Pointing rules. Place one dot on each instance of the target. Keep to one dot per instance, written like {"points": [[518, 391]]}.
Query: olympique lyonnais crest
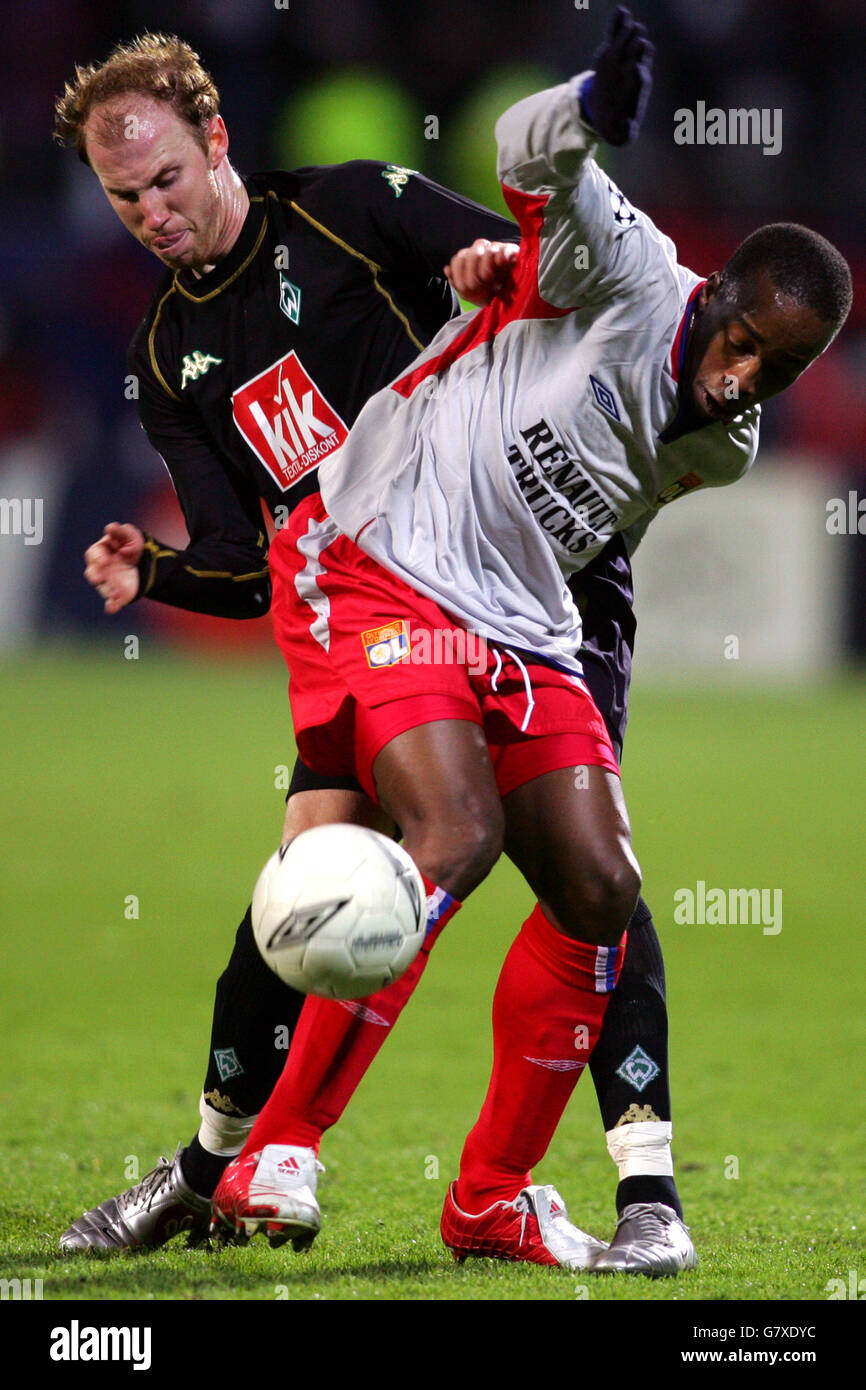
{"points": [[674, 490], [286, 420], [385, 646]]}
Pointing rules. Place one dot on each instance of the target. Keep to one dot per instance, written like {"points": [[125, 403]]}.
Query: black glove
{"points": [[614, 98]]}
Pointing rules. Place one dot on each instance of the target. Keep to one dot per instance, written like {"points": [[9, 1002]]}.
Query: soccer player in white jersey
{"points": [[604, 382]]}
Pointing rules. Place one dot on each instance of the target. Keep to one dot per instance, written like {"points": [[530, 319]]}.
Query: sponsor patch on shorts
{"points": [[385, 646]]}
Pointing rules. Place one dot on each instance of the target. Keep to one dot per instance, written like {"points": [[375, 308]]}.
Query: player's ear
{"points": [[217, 141], [710, 289]]}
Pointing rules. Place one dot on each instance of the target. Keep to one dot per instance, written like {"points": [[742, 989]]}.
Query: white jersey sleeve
{"points": [[596, 246], [528, 434]]}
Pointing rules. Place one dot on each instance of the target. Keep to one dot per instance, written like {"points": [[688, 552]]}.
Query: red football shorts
{"points": [[369, 658]]}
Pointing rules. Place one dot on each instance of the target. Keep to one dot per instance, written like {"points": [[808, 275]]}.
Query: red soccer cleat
{"points": [[534, 1227], [274, 1192]]}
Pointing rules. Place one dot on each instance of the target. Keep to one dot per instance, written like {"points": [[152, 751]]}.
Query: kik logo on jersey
{"points": [[385, 646], [286, 420]]}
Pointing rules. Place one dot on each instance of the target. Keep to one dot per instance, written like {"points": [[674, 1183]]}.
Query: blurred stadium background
{"points": [[154, 786], [315, 83]]}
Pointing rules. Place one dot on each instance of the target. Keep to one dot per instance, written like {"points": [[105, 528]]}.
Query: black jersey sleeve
{"points": [[406, 220], [223, 571]]}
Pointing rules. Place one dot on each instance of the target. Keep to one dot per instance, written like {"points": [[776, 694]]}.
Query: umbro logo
{"points": [[604, 396], [361, 1011], [301, 926], [556, 1063]]}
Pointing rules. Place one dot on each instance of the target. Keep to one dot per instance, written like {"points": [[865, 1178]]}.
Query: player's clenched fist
{"points": [[111, 564], [614, 98], [479, 271]]}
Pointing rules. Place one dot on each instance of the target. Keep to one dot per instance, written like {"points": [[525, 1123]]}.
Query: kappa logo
{"points": [[385, 646], [638, 1069], [290, 299], [397, 178], [685, 484], [286, 420], [195, 364]]}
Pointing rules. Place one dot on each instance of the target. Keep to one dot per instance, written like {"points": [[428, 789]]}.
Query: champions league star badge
{"points": [[623, 212]]}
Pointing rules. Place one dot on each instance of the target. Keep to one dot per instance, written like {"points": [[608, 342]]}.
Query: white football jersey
{"points": [[531, 431]]}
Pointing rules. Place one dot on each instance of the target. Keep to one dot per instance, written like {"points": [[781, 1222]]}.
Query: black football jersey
{"points": [[252, 373]]}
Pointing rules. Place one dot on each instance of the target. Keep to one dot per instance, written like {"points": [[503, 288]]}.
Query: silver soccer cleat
{"points": [[650, 1239], [145, 1216]]}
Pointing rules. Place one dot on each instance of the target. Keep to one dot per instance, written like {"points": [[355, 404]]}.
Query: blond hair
{"points": [[159, 66]]}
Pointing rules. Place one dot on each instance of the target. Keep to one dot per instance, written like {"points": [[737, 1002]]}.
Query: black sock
{"points": [[202, 1170], [254, 1017], [629, 1064], [650, 1187]]}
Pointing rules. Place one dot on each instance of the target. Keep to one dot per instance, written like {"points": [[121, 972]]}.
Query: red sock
{"points": [[547, 1014], [333, 1045]]}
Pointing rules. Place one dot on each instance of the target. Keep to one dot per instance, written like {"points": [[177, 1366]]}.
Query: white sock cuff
{"points": [[642, 1148], [224, 1135]]}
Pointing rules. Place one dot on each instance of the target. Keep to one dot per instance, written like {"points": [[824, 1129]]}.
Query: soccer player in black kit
{"points": [[289, 299]]}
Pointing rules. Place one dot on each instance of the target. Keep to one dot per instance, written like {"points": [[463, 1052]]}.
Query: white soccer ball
{"points": [[341, 911]]}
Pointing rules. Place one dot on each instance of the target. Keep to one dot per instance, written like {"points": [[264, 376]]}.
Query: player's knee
{"points": [[457, 853], [598, 908]]}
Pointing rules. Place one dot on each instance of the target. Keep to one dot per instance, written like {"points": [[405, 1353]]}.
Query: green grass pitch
{"points": [[156, 778]]}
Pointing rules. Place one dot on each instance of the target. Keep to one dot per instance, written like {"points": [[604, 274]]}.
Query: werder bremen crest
{"points": [[638, 1069], [290, 299]]}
